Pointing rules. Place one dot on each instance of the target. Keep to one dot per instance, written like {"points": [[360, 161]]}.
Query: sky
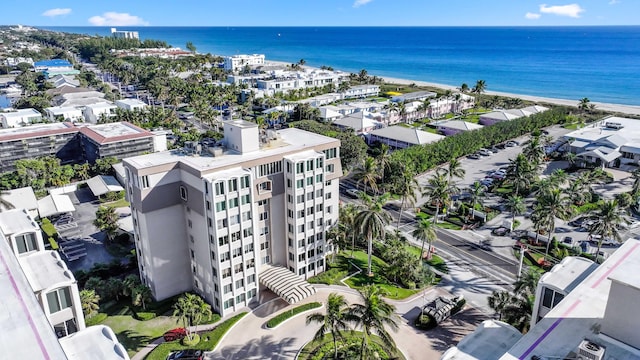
{"points": [[320, 12]]}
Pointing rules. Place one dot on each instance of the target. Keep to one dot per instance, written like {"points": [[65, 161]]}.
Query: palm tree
{"points": [[425, 231], [190, 309], [584, 104], [372, 316], [406, 187], [141, 295], [608, 218], [498, 302], [552, 205], [384, 159], [367, 173], [438, 191], [571, 158], [527, 283], [480, 87], [518, 312], [346, 216], [455, 170], [107, 220], [534, 151], [515, 204], [635, 189], [90, 301], [371, 221], [334, 321], [464, 88], [520, 173]]}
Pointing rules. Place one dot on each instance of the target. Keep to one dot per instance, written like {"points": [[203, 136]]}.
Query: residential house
{"points": [[493, 117], [20, 117], [94, 112], [414, 96], [400, 137], [66, 113], [64, 80], [362, 122], [130, 104], [452, 127], [361, 92]]}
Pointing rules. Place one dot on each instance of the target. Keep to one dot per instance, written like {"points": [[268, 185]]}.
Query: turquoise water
{"points": [[600, 63]]}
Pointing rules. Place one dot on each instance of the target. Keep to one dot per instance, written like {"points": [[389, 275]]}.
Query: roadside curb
{"points": [[293, 317]]}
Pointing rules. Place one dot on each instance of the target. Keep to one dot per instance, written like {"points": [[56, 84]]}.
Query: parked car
{"points": [[474, 156], [484, 152], [175, 334], [352, 193], [568, 240], [511, 143], [189, 354], [487, 182]]}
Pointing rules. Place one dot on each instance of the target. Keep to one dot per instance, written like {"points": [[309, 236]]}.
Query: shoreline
{"points": [[619, 108]]}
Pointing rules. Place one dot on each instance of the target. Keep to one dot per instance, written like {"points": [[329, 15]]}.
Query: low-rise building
{"points": [[93, 113], [131, 104], [361, 92], [21, 198], [64, 113], [400, 137], [238, 62], [119, 140], [20, 117], [361, 123], [493, 117], [64, 80], [452, 127], [414, 96]]}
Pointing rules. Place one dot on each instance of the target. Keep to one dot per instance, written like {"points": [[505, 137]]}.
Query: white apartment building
{"points": [[41, 301], [216, 220], [131, 104], [237, 62], [19, 117], [64, 113], [124, 34], [93, 112], [361, 92]]}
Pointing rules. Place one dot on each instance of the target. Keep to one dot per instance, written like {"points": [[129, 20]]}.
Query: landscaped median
{"points": [[208, 340], [349, 347], [280, 318]]}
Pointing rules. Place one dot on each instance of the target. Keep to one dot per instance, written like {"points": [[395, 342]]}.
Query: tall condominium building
{"points": [[215, 221]]}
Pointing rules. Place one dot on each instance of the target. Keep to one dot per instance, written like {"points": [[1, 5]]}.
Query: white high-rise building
{"points": [[214, 220]]}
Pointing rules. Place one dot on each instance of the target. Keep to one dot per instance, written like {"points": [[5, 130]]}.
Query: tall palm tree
{"points": [[406, 187], [425, 231], [438, 191], [520, 173], [371, 221], [464, 88], [552, 205], [527, 283], [455, 169], [608, 217], [534, 151], [346, 216], [90, 301], [367, 173], [584, 104], [480, 87], [516, 206], [518, 312], [190, 309], [384, 160], [498, 302], [372, 316], [334, 321]]}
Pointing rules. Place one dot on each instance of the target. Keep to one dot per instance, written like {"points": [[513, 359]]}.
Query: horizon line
{"points": [[328, 26]]}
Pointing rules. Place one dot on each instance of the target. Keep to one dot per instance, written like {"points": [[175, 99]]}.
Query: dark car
{"points": [[175, 334], [189, 354], [474, 156]]}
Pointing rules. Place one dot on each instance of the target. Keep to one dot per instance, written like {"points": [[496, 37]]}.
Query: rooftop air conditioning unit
{"points": [[588, 350]]}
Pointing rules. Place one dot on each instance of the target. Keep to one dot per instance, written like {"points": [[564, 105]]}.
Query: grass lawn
{"points": [[117, 203], [338, 270], [571, 126], [323, 349], [209, 340], [472, 119], [377, 267], [436, 261], [430, 129]]}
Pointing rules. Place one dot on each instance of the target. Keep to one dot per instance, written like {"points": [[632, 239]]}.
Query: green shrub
{"points": [[425, 322], [48, 228], [195, 339], [458, 306], [276, 320], [54, 244], [144, 316], [95, 319]]}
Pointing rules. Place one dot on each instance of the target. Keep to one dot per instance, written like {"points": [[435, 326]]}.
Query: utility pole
{"points": [[522, 249]]}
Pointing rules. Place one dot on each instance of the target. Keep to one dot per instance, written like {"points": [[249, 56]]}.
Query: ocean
{"points": [[600, 63]]}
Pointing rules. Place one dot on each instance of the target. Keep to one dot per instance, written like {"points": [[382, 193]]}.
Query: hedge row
{"points": [[276, 320]]}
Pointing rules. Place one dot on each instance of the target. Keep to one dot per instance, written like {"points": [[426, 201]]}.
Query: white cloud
{"points": [[116, 19], [56, 12], [359, 3], [532, 16], [571, 10]]}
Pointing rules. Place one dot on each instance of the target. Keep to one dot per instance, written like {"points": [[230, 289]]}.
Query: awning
{"points": [[103, 184], [606, 157], [285, 284], [54, 205]]}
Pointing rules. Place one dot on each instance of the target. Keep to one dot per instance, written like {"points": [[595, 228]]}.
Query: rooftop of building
{"points": [[491, 339], [580, 315], [130, 102], [628, 129], [99, 341], [21, 198], [568, 274], [45, 270], [38, 130], [52, 63], [29, 333], [408, 135], [459, 125], [114, 132], [20, 112], [288, 141], [500, 115], [62, 109], [17, 221], [101, 105]]}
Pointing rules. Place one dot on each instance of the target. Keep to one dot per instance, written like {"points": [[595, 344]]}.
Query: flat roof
{"points": [[490, 340], [62, 109], [52, 63], [38, 130], [29, 333], [291, 140], [95, 342], [630, 130], [581, 311], [569, 273], [45, 269], [130, 102], [113, 132], [17, 221], [21, 198], [20, 113]]}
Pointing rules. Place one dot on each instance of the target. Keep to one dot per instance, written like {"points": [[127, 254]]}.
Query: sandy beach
{"points": [[625, 109]]}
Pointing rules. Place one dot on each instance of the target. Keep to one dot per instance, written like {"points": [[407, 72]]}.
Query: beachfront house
{"points": [[361, 92], [64, 113], [400, 137], [497, 116], [362, 122], [414, 96], [452, 127], [20, 117], [131, 104]]}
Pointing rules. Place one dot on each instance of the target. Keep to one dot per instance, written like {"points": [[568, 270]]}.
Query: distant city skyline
{"points": [[323, 13]]}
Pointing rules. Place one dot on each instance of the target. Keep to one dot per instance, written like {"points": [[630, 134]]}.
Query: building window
{"points": [[244, 182], [208, 205], [251, 279], [328, 196], [221, 223], [247, 232], [319, 208], [319, 163], [183, 193], [330, 168], [265, 186], [233, 203], [59, 300], [26, 243], [264, 216], [300, 229], [248, 248], [237, 252], [233, 185], [299, 199], [290, 198], [330, 153], [227, 288], [311, 266], [319, 178], [299, 184], [319, 193], [189, 223], [234, 219], [290, 213], [240, 284], [288, 183], [246, 216], [302, 257], [302, 271], [144, 181], [270, 169], [310, 180], [264, 230], [238, 268], [266, 259], [226, 273], [235, 236], [299, 168], [547, 298], [309, 165], [319, 236], [219, 188], [263, 202], [221, 206], [228, 303], [310, 196], [245, 199]]}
